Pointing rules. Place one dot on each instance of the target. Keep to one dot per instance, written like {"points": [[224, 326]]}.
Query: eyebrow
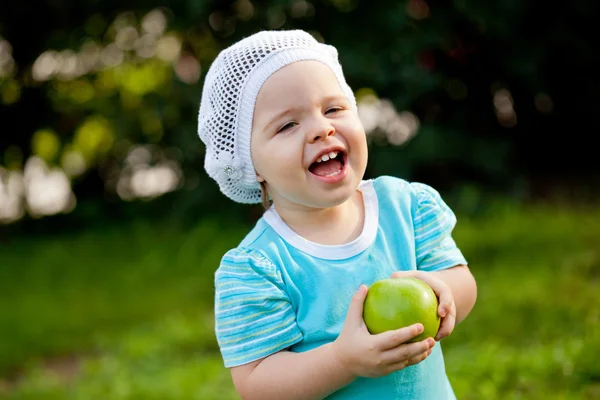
{"points": [[281, 115], [291, 110]]}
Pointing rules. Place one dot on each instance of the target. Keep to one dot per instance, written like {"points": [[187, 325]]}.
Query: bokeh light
{"points": [[38, 189], [47, 191], [504, 106], [11, 196], [46, 144], [244, 9], [380, 117], [141, 178], [7, 63], [302, 9]]}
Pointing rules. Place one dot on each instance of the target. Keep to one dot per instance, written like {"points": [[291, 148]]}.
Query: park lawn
{"points": [[126, 312]]}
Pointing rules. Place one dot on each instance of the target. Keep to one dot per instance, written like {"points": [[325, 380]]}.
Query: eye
{"points": [[287, 126], [333, 110]]}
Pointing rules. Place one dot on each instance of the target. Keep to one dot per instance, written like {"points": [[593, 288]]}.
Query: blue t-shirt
{"points": [[277, 290]]}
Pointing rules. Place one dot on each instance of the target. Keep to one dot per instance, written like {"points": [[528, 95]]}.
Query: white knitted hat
{"points": [[229, 94]]}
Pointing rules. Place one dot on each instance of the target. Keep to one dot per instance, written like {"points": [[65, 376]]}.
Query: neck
{"points": [[329, 226]]}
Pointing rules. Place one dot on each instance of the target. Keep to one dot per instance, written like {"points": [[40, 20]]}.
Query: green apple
{"points": [[398, 302]]}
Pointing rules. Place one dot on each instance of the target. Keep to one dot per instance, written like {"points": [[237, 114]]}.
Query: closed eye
{"points": [[287, 126], [333, 110]]}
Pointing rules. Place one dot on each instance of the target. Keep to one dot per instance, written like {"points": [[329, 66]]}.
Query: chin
{"points": [[338, 196]]}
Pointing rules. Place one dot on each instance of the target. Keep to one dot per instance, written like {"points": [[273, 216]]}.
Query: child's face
{"points": [[300, 112]]}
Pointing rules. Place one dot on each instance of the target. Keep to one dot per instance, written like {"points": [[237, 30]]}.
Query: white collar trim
{"points": [[333, 252]]}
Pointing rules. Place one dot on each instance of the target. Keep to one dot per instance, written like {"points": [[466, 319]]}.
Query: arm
{"points": [[309, 375], [463, 286], [435, 248], [316, 373]]}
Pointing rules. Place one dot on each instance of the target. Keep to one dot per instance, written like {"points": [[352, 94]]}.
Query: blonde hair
{"points": [[264, 194]]}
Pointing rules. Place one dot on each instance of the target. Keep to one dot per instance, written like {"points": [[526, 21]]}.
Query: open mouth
{"points": [[329, 164]]}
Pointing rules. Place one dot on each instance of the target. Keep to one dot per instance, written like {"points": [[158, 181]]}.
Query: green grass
{"points": [[126, 313]]}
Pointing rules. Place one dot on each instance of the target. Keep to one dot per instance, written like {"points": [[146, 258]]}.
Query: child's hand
{"points": [[447, 308], [363, 354]]}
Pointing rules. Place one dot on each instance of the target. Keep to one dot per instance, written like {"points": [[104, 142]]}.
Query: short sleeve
{"points": [[253, 314], [434, 222]]}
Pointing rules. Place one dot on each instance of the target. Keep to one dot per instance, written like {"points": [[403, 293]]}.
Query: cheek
{"points": [[258, 158], [286, 151], [278, 158], [353, 132], [277, 163]]}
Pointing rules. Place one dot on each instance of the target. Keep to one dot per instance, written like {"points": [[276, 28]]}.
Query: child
{"points": [[280, 124]]}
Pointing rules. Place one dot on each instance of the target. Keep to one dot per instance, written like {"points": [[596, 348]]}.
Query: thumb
{"points": [[355, 311]]}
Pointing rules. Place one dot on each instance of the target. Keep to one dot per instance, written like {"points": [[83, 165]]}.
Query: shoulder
{"points": [[428, 200], [248, 261], [398, 190], [244, 260], [424, 192], [389, 184], [244, 255], [259, 230]]}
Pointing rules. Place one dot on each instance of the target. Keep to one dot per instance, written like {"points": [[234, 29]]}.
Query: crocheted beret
{"points": [[229, 93]]}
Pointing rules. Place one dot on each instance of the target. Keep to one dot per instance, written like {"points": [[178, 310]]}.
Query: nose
{"points": [[321, 129]]}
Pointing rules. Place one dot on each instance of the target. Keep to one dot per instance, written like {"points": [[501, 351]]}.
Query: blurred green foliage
{"points": [[126, 313]]}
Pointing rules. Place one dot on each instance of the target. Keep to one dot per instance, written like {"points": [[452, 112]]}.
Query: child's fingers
{"points": [[446, 299], [420, 357], [444, 295], [447, 325], [391, 339], [441, 290], [407, 351], [354, 317], [411, 361]]}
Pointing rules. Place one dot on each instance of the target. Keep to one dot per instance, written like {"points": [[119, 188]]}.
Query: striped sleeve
{"points": [[254, 317], [433, 223]]}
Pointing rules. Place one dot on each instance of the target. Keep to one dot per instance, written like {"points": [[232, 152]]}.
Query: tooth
{"points": [[325, 157], [333, 154]]}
